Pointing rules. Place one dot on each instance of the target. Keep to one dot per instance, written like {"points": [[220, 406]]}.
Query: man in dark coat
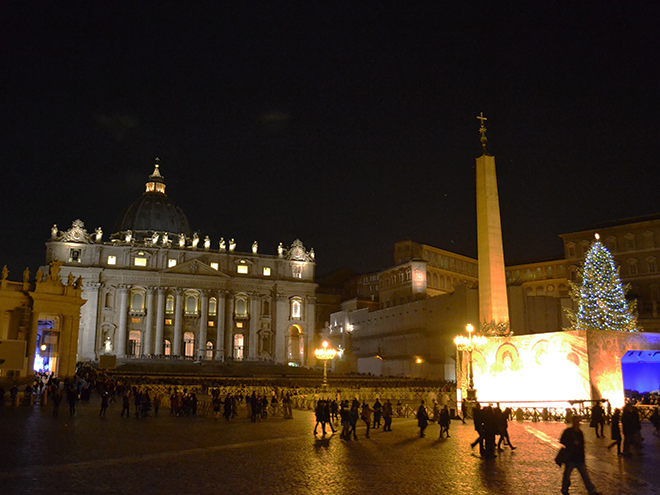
{"points": [[422, 419], [573, 440]]}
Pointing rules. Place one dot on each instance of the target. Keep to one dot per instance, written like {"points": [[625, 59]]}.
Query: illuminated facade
{"points": [[43, 314], [157, 289], [554, 367]]}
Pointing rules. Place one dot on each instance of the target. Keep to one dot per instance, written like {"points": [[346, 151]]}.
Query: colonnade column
{"points": [[310, 322], [281, 319], [229, 326], [203, 318], [120, 339], [178, 323], [160, 321], [255, 310], [220, 331], [87, 335], [148, 347]]}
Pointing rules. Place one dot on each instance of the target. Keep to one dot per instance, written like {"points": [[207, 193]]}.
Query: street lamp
{"points": [[469, 344], [325, 353]]}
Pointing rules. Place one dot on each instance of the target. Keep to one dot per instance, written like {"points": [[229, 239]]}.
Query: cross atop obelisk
{"points": [[482, 131], [493, 301]]}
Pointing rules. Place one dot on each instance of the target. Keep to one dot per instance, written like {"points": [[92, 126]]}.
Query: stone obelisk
{"points": [[493, 304]]}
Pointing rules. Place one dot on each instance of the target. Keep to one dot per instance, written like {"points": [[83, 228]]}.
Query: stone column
{"points": [[178, 323], [220, 331], [148, 347], [160, 321], [203, 319], [281, 327], [255, 311], [229, 326], [88, 333], [120, 339], [310, 322]]}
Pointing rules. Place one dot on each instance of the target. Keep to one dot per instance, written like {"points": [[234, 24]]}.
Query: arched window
{"points": [[611, 244], [167, 348], [213, 306], [209, 350], [632, 267], [296, 309], [241, 307], [108, 299], [191, 304], [651, 265], [266, 310], [137, 302], [169, 305], [188, 344], [630, 242]]}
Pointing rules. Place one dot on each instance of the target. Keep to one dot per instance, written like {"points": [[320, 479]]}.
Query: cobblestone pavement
{"points": [[88, 455]]}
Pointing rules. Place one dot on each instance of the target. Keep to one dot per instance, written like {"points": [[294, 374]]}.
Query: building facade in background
{"points": [[157, 289], [39, 323]]}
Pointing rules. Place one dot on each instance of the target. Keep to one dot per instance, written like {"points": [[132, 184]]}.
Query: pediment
{"points": [[195, 267]]}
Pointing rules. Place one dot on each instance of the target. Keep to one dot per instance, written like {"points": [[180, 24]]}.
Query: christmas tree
{"points": [[600, 295]]}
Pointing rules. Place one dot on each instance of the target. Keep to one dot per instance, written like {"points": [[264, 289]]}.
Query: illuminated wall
{"points": [[558, 366]]}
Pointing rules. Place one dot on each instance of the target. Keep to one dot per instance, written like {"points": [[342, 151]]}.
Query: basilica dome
{"points": [[152, 213]]}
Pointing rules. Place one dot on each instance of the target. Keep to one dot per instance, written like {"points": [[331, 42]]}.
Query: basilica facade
{"points": [[156, 289]]}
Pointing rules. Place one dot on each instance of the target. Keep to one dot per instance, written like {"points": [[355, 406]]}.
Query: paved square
{"points": [[88, 455]]}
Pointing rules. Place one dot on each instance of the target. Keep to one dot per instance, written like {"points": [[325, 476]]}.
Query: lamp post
{"points": [[469, 344], [325, 353]]}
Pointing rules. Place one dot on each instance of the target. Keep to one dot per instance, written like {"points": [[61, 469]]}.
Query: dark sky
{"points": [[347, 125]]}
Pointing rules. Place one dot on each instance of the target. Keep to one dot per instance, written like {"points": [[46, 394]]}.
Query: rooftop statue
{"points": [[232, 245], [255, 247], [223, 245]]}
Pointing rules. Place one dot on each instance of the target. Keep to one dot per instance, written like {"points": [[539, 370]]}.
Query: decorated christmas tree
{"points": [[600, 297]]}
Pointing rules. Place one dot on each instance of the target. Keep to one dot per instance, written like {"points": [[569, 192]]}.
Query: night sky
{"points": [[347, 125]]}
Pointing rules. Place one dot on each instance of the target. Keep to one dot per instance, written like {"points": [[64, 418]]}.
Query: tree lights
{"points": [[600, 296]]}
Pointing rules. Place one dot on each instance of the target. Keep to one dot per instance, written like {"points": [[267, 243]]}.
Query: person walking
{"points": [[378, 410], [598, 419], [354, 416], [105, 398], [573, 441], [387, 415], [444, 421], [479, 427], [126, 405], [503, 428], [366, 415], [616, 431], [422, 419]]}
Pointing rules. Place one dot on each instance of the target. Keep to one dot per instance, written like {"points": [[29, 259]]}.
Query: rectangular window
{"points": [[74, 256], [140, 261], [168, 321], [266, 271], [171, 262], [211, 323], [136, 320], [239, 324], [242, 269], [112, 260], [214, 265]]}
